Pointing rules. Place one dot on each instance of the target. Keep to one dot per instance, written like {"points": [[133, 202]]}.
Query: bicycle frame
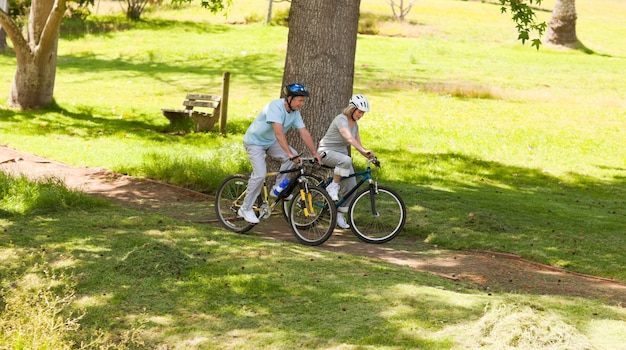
{"points": [[293, 183], [366, 176]]}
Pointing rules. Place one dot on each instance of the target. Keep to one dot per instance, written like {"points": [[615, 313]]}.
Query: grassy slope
{"points": [[535, 169], [547, 140]]}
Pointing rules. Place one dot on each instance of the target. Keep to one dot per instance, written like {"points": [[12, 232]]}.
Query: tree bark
{"points": [[3, 39], [4, 6], [33, 85], [321, 49], [562, 25]]}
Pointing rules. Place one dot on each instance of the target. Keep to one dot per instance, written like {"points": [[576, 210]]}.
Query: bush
{"points": [[281, 18], [20, 195]]}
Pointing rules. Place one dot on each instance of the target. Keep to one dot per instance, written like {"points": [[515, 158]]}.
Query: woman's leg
{"points": [[347, 184], [342, 163]]}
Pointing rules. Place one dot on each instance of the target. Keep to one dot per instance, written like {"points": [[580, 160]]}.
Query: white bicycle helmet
{"points": [[359, 101]]}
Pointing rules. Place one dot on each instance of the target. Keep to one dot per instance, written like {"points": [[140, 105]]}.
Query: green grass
{"points": [[492, 145], [127, 279]]}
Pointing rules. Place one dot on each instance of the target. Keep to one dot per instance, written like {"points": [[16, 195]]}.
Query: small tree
{"points": [[400, 9], [36, 52], [134, 8]]}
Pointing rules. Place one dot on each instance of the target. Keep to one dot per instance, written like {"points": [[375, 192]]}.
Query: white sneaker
{"points": [[333, 191], [248, 215], [341, 221]]}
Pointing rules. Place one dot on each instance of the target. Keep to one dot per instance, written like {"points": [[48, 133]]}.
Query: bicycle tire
{"points": [[228, 200], [313, 180], [382, 226], [312, 227]]}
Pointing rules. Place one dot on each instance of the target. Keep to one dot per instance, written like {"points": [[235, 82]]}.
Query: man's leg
{"points": [[277, 152], [256, 154]]}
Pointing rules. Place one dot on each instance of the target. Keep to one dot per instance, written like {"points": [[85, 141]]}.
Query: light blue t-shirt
{"points": [[261, 133]]}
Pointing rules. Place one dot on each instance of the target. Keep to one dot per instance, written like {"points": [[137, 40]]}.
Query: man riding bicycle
{"points": [[266, 135]]}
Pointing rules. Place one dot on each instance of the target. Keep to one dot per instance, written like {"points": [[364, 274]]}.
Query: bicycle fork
{"points": [[373, 193], [307, 199]]}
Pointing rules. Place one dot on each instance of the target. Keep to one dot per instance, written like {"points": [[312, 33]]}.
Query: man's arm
{"points": [[308, 141], [282, 139]]}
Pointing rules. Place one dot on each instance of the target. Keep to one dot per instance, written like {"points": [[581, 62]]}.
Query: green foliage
{"points": [[491, 145], [367, 24], [76, 27], [524, 16], [281, 17], [214, 6], [254, 18], [19, 195]]}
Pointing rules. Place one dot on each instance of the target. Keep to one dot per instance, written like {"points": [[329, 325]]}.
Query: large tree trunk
{"points": [[321, 50], [33, 85], [3, 39], [4, 6], [562, 25]]}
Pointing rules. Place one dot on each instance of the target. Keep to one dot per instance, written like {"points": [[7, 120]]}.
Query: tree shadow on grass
{"points": [[132, 279], [86, 123], [73, 29], [138, 270], [573, 221]]}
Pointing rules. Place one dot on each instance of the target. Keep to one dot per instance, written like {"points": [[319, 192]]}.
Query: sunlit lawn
{"points": [[493, 145]]}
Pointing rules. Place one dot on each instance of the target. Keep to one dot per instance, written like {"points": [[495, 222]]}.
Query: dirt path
{"points": [[487, 271]]}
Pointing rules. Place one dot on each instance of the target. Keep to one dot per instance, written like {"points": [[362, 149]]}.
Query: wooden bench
{"points": [[205, 118]]}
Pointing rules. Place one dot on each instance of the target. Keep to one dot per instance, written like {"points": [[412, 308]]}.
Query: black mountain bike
{"points": [[313, 219], [376, 214]]}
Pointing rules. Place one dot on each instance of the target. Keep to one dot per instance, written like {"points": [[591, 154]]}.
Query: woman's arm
{"points": [[355, 142]]}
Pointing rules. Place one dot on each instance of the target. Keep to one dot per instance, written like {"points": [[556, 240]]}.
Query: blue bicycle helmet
{"points": [[295, 90]]}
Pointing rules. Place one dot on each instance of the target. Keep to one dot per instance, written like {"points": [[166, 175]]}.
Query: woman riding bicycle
{"points": [[342, 133], [266, 135]]}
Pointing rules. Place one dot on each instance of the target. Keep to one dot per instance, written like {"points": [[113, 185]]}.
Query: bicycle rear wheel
{"points": [[312, 215], [228, 200], [377, 216]]}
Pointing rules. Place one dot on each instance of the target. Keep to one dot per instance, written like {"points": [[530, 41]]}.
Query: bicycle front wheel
{"points": [[312, 215], [228, 200], [313, 180], [377, 216]]}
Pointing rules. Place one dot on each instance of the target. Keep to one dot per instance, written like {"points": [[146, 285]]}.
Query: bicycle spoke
{"points": [[228, 200], [313, 216], [378, 218]]}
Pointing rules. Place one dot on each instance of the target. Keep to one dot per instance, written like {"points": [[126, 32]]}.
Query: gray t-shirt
{"points": [[333, 141]]}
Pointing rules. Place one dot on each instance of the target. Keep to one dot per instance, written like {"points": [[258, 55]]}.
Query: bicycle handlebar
{"points": [[372, 160], [295, 157]]}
